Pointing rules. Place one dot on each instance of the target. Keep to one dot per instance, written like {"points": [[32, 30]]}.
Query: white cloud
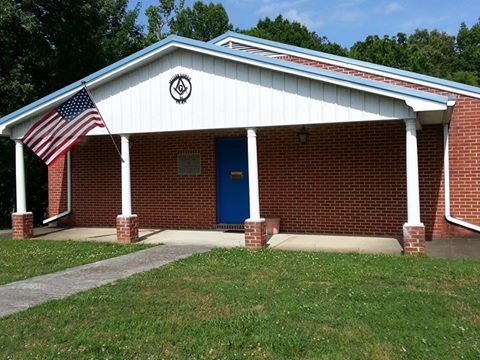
{"points": [[392, 8], [304, 18], [351, 12], [271, 7], [422, 22], [386, 9], [348, 11], [351, 16], [289, 10]]}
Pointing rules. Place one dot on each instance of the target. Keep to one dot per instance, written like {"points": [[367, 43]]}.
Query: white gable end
{"points": [[227, 94]]}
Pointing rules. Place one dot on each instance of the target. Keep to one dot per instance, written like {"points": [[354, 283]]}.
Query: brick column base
{"points": [[414, 240], [127, 229], [22, 225], [255, 233]]}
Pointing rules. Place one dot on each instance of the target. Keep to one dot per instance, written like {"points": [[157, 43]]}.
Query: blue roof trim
{"points": [[346, 60], [235, 53]]}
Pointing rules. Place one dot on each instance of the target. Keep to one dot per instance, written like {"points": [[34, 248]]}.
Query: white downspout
{"points": [[69, 194], [446, 173]]}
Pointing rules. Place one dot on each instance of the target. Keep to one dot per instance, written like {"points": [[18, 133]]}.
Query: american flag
{"points": [[63, 127]]}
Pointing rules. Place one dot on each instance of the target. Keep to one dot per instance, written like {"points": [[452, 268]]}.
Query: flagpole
{"points": [[104, 123]]}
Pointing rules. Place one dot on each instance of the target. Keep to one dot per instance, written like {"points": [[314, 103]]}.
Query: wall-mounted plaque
{"points": [[189, 164]]}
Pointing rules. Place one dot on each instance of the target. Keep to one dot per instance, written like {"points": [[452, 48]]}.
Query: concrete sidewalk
{"points": [[21, 295], [336, 243], [461, 248]]}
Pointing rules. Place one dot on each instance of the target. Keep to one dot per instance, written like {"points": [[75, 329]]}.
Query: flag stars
{"points": [[76, 105]]}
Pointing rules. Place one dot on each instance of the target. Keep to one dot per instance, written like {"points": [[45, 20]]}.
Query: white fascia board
{"points": [[420, 105], [350, 66], [415, 103], [4, 131]]}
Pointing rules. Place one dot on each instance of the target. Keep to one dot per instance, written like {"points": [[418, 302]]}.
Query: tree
{"points": [[468, 48], [466, 77], [202, 21], [7, 182], [293, 33], [433, 52], [160, 19], [46, 45], [426, 52], [387, 50]]}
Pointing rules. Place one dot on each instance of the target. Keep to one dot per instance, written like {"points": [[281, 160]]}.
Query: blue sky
{"points": [[348, 21]]}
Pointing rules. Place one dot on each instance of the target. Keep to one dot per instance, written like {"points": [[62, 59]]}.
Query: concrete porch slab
{"points": [[336, 243], [220, 238], [195, 237], [147, 236]]}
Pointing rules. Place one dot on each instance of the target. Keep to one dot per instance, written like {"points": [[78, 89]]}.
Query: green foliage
{"points": [[160, 19], [7, 181], [46, 45], [388, 51], [427, 52], [466, 77], [432, 52], [270, 304], [293, 33], [468, 47], [202, 21]]}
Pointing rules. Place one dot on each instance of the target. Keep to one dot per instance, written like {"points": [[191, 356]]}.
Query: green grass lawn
{"points": [[230, 304], [21, 259]]}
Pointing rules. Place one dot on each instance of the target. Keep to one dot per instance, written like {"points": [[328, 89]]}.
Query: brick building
{"points": [[226, 133]]}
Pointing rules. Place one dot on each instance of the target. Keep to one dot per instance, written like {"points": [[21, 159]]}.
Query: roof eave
{"points": [[419, 100], [435, 82]]}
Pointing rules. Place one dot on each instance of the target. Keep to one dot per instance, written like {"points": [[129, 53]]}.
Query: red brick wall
{"points": [[464, 150], [348, 178], [171, 200], [339, 181], [96, 182], [57, 187], [160, 197]]}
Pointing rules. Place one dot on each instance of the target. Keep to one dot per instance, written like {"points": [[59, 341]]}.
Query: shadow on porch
{"points": [[228, 239]]}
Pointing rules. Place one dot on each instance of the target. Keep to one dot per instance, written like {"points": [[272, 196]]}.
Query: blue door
{"points": [[232, 180]]}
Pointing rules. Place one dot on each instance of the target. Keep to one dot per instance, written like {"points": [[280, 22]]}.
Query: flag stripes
{"points": [[63, 127]]}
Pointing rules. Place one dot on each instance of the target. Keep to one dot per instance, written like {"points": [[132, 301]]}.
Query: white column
{"points": [[413, 190], [126, 188], [253, 175], [20, 178]]}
